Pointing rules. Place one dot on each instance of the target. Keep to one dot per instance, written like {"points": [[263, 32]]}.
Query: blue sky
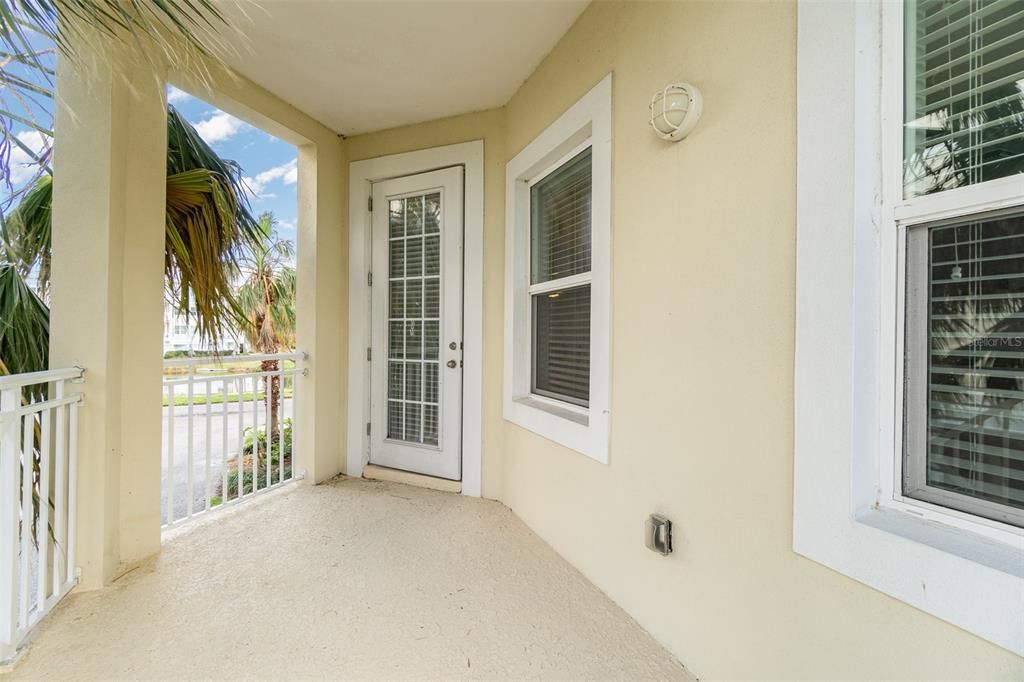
{"points": [[268, 162]]}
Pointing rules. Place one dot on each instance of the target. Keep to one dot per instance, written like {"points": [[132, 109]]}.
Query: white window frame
{"points": [[588, 123], [849, 510]]}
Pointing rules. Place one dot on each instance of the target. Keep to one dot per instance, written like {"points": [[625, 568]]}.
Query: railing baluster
{"points": [[27, 457], [255, 431], [60, 491], [280, 421], [171, 396], [43, 527], [190, 485], [10, 431], [240, 458], [209, 443], [268, 389], [295, 432], [72, 488], [224, 442]]}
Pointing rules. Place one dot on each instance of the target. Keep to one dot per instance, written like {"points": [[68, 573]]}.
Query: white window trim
{"points": [[848, 512], [585, 430]]}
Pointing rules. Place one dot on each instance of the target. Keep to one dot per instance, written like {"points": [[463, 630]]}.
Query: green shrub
{"points": [[261, 462]]}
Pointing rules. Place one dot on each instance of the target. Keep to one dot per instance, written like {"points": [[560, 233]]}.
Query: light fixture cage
{"points": [[675, 110]]}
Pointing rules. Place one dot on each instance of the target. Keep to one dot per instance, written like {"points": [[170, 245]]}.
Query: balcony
{"points": [[723, 319], [350, 579]]}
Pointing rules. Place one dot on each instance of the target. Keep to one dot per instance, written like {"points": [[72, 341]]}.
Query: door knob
{"points": [[451, 363]]}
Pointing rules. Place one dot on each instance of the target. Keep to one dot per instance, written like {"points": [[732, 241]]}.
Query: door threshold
{"points": [[378, 473]]}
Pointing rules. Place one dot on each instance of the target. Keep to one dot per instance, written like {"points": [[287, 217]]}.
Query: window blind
{"points": [[562, 344], [560, 221], [975, 410], [964, 112], [414, 318]]}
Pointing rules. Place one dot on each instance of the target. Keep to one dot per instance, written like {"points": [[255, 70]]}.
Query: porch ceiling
{"points": [[363, 66]]}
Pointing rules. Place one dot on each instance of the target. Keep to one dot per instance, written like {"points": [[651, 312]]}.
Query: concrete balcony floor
{"points": [[351, 579]]}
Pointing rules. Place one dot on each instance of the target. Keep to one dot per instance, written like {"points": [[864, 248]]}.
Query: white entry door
{"points": [[416, 345]]}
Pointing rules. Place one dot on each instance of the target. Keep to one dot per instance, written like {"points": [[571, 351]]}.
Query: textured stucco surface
{"points": [[351, 579]]}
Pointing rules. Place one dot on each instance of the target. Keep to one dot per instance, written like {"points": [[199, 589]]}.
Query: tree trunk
{"points": [[272, 398]]}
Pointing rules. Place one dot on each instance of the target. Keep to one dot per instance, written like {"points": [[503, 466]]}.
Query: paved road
{"points": [[219, 414]]}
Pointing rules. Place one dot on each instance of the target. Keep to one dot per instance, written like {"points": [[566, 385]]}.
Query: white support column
{"points": [[322, 310], [106, 313]]}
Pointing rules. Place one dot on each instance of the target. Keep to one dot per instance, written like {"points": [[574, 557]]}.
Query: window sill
{"points": [[1006, 557], [574, 427], [580, 415], [961, 576]]}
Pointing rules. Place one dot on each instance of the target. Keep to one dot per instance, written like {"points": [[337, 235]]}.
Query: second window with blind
{"points": [[558, 279], [962, 211]]}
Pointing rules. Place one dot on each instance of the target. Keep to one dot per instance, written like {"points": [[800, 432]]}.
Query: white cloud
{"points": [[23, 167], [288, 173], [176, 96], [219, 127]]}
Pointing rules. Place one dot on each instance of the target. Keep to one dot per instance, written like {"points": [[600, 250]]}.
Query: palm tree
{"points": [[209, 228], [267, 299]]}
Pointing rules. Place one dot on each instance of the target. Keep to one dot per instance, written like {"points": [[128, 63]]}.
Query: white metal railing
{"points": [[38, 479], [223, 439]]}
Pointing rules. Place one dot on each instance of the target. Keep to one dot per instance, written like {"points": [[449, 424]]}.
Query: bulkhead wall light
{"points": [[675, 110]]}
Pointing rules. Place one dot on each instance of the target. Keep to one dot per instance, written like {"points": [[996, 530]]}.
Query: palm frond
{"points": [[209, 229], [194, 22], [26, 233], [24, 325]]}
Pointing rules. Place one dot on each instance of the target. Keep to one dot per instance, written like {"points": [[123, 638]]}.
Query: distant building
{"points": [[181, 334]]}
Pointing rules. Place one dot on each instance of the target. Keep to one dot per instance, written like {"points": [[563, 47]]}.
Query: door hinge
{"points": [[369, 204], [367, 428], [369, 279], [369, 354]]}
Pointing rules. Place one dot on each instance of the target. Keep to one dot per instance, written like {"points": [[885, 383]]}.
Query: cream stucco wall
{"points": [[703, 343]]}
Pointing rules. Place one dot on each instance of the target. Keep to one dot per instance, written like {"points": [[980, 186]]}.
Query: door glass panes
{"points": [[964, 83], [414, 318], [974, 444]]}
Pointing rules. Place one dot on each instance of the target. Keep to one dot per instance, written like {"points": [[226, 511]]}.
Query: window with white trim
{"points": [[558, 303], [963, 129], [909, 230]]}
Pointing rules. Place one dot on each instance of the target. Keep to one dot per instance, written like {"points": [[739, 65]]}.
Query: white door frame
{"points": [[361, 176]]}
